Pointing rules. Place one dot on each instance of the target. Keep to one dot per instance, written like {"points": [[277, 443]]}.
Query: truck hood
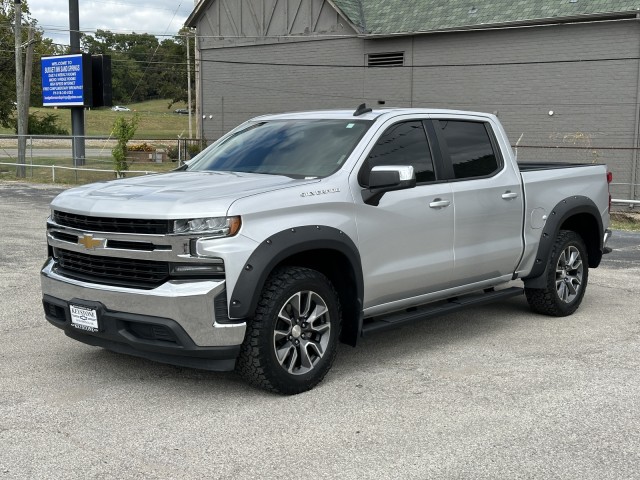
{"points": [[171, 195]]}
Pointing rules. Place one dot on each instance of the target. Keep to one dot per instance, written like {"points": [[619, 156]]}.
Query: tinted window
{"points": [[296, 148], [470, 148], [402, 144]]}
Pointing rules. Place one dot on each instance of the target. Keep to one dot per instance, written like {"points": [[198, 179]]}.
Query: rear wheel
{"points": [[292, 340], [566, 277]]}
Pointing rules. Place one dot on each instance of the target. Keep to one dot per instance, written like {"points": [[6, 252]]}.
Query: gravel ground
{"points": [[493, 392]]}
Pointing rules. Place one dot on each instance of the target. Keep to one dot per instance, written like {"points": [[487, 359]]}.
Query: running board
{"points": [[386, 322]]}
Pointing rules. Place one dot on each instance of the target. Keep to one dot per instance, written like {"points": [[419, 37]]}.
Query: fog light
{"points": [[196, 269]]}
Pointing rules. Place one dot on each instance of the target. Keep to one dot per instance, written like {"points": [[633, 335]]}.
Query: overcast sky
{"points": [[157, 17]]}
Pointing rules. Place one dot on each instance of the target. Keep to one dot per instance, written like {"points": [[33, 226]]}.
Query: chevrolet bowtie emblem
{"points": [[91, 243]]}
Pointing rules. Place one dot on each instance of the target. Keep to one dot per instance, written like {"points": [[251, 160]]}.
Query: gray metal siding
{"points": [[248, 90], [521, 74], [594, 102]]}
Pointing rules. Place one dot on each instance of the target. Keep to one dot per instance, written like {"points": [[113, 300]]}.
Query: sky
{"points": [[157, 17]]}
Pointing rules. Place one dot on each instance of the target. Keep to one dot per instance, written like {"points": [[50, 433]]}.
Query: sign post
{"points": [[77, 113]]}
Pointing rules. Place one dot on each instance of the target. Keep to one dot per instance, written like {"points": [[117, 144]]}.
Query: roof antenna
{"points": [[361, 110]]}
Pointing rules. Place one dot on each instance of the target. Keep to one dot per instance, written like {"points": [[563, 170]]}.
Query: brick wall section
{"points": [[594, 103]]}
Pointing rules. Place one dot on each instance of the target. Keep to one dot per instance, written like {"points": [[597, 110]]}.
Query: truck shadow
{"points": [[400, 345], [482, 324]]}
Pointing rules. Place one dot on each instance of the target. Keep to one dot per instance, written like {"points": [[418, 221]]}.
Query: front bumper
{"points": [[173, 323]]}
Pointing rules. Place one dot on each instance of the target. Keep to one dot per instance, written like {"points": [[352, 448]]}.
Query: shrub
{"points": [[43, 125], [193, 149], [123, 131], [172, 152]]}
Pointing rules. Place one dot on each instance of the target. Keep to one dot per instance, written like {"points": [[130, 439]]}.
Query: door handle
{"points": [[508, 195], [439, 203]]}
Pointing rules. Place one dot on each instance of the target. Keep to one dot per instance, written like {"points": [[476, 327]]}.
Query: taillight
{"points": [[609, 180]]}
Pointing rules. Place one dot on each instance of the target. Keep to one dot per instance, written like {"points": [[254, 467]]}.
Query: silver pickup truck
{"points": [[296, 231]]}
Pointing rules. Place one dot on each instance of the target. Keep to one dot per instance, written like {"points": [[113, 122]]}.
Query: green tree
{"points": [[42, 47], [7, 59], [44, 124], [132, 57], [142, 67], [123, 130], [172, 55]]}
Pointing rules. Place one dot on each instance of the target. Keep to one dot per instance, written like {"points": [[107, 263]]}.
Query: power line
{"points": [[381, 69]]}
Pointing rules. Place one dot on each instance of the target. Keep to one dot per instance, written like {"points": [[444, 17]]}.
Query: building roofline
{"points": [[591, 17], [356, 28], [197, 11]]}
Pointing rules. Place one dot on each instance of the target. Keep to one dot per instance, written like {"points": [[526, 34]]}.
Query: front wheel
{"points": [[566, 278], [292, 340]]}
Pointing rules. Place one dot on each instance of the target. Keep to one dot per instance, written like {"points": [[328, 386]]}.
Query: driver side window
{"points": [[404, 143]]}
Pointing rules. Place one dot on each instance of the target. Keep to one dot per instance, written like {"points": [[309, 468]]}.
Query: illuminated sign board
{"points": [[66, 81]]}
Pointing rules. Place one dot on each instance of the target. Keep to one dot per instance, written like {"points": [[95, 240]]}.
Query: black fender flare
{"points": [[279, 247], [564, 210]]}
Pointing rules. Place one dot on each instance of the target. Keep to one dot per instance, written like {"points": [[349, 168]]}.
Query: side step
{"points": [[376, 324]]}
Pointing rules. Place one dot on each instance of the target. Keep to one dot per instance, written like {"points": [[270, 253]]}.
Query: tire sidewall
{"points": [[282, 380], [569, 239]]}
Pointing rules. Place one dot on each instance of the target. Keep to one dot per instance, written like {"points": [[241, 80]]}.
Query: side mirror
{"points": [[387, 178]]}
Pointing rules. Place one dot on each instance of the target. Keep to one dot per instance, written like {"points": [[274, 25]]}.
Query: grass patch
{"points": [[156, 120], [625, 221]]}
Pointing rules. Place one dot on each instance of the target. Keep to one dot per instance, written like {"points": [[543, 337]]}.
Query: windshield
{"points": [[295, 148]]}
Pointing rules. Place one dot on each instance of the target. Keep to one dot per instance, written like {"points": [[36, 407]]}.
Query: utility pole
{"points": [[186, 37], [28, 73], [20, 98], [77, 113], [196, 64]]}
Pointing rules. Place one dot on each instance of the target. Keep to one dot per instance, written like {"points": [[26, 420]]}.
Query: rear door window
{"points": [[469, 147]]}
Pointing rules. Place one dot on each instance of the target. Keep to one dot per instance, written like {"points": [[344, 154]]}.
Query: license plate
{"points": [[84, 318]]}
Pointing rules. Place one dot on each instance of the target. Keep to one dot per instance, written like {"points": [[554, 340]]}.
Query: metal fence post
{"points": [[31, 153], [53, 173]]}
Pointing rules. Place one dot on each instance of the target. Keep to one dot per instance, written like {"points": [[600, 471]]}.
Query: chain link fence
{"points": [[49, 159]]}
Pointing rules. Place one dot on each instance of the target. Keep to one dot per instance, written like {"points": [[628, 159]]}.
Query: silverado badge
{"points": [[91, 243]]}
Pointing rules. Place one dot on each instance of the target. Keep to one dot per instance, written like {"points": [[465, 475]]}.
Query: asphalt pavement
{"points": [[490, 393]]}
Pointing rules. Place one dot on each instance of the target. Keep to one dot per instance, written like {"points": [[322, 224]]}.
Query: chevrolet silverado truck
{"points": [[294, 232]]}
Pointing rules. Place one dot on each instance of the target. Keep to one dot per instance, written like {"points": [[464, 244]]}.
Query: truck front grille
{"points": [[114, 225], [125, 272]]}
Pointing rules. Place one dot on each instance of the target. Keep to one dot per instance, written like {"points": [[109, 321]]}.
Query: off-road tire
{"points": [[258, 362], [549, 300]]}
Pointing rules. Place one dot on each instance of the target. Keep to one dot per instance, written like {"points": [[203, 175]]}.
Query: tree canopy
{"points": [[42, 47], [143, 67]]}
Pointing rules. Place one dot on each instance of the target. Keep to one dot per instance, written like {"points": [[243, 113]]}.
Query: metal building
{"points": [[562, 75]]}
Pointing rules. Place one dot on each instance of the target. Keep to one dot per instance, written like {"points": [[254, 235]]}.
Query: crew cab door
{"points": [[404, 241], [488, 199]]}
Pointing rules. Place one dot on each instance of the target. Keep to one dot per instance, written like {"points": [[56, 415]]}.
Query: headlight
{"points": [[211, 226]]}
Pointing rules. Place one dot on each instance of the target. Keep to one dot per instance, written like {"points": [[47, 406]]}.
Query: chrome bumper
{"points": [[189, 303]]}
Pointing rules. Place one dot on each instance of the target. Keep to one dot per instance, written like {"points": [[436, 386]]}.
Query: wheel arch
{"points": [[578, 214], [324, 249]]}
